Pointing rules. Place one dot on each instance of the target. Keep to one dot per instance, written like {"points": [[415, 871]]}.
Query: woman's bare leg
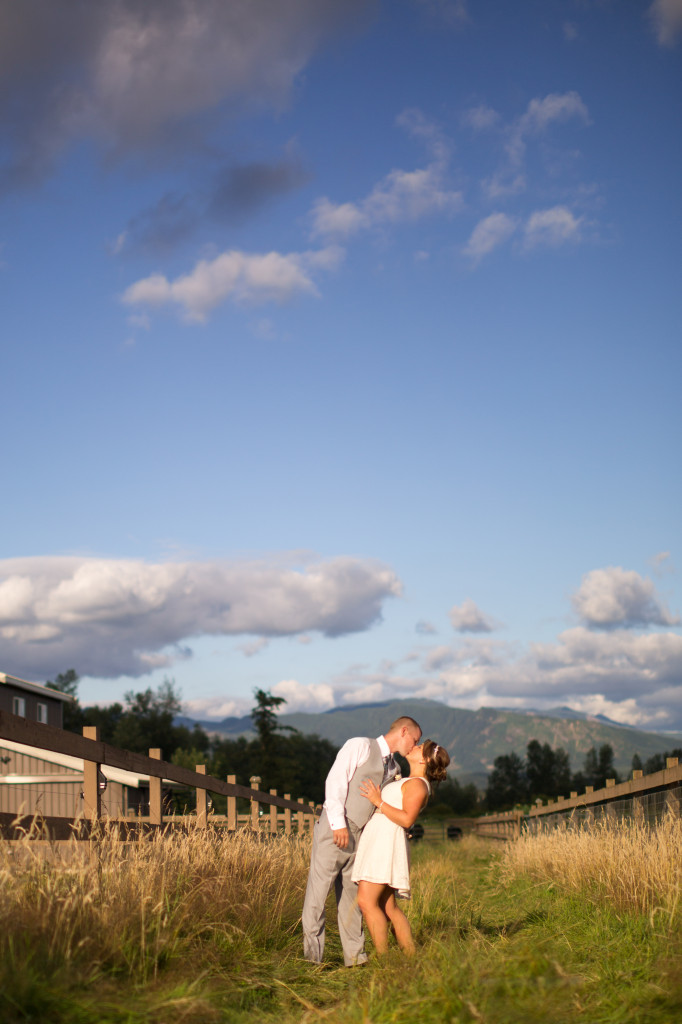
{"points": [[401, 926], [369, 900]]}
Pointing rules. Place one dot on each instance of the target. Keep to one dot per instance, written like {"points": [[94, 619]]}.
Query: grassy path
{"points": [[211, 934], [505, 954]]}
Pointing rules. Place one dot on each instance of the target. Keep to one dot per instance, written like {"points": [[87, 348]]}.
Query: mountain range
{"points": [[473, 738]]}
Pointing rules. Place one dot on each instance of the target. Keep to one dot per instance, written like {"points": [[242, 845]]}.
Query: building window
{"points": [[42, 713], [19, 706]]}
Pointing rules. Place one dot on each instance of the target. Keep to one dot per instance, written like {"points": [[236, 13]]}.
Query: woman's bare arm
{"points": [[415, 795]]}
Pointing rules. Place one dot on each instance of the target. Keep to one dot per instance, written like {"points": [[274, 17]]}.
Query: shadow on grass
{"points": [[477, 924]]}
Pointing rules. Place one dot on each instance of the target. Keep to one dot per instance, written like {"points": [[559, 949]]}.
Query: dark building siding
{"points": [[54, 706]]}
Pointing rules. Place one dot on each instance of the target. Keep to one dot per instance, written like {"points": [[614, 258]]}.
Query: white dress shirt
{"points": [[352, 754]]}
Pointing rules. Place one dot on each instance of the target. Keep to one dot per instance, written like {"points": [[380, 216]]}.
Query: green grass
{"points": [[213, 936]]}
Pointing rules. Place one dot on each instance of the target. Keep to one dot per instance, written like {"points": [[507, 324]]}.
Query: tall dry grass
{"points": [[636, 867], [109, 908]]}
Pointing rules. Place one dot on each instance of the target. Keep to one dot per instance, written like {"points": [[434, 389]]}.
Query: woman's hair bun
{"points": [[436, 760]]}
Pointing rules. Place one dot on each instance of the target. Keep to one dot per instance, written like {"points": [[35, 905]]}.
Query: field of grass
{"points": [[203, 928]]}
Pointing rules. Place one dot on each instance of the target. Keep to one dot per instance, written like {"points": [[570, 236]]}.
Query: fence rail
{"points": [[95, 753], [644, 799]]}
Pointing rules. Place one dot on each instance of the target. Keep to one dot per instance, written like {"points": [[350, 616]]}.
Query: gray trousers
{"points": [[331, 866]]}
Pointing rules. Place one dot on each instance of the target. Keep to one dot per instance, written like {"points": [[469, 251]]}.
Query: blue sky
{"points": [[341, 351]]}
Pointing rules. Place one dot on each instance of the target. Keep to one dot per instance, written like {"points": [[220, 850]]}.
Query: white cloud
{"points": [[617, 597], [489, 233], [539, 116], [481, 118], [620, 667], [110, 617], [540, 113], [337, 220], [468, 618], [401, 196], [216, 708], [312, 698], [634, 679], [425, 628], [666, 16], [241, 277], [662, 564], [369, 694], [503, 185], [418, 125], [552, 227], [254, 647], [626, 712], [438, 657]]}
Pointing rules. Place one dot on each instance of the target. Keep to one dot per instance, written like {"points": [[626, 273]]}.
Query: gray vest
{"points": [[358, 807]]}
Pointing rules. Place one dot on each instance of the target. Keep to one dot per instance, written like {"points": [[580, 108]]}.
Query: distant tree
{"points": [[548, 771], [452, 798], [656, 763], [298, 765], [507, 783], [598, 767], [606, 767], [67, 682], [591, 767], [147, 720], [636, 765], [562, 773], [105, 717], [263, 715]]}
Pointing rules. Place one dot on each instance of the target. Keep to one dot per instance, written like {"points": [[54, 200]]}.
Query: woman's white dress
{"points": [[383, 852]]}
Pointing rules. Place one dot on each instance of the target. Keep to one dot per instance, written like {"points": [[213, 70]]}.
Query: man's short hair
{"points": [[405, 720]]}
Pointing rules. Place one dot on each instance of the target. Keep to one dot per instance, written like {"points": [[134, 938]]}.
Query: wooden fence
{"points": [[95, 753], [644, 799]]}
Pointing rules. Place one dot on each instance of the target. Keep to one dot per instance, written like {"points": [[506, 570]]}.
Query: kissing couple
{"points": [[360, 843]]}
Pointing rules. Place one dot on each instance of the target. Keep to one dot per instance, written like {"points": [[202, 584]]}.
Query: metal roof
{"points": [[22, 684]]}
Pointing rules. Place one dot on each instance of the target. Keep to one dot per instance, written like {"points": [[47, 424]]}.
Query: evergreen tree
{"points": [[507, 783], [263, 715], [656, 763], [72, 713], [605, 766]]}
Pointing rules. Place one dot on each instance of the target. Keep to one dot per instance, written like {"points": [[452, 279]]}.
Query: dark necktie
{"points": [[389, 768]]}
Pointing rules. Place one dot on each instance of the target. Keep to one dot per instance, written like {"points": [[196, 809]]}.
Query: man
{"points": [[335, 838]]}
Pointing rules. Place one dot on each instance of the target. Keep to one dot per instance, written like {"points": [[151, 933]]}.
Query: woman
{"points": [[382, 862]]}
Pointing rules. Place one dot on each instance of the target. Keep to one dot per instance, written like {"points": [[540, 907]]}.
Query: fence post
{"points": [[202, 799], [232, 806], [287, 816], [672, 800], [300, 823], [638, 810], [273, 813], [311, 819], [254, 781], [155, 817], [92, 795]]}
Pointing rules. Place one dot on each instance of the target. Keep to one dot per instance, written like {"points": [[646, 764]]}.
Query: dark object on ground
{"points": [[454, 832]]}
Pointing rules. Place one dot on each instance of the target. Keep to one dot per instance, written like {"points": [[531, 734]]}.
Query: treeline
{"points": [[283, 758], [454, 799], [287, 761], [545, 774]]}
